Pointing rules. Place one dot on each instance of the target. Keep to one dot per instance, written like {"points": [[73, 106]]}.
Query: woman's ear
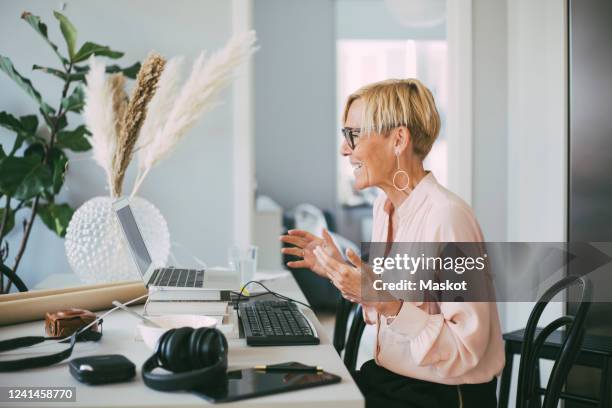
{"points": [[401, 139]]}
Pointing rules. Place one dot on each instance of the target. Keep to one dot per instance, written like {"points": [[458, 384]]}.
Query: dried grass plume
{"points": [[159, 108], [99, 117], [134, 117], [120, 100]]}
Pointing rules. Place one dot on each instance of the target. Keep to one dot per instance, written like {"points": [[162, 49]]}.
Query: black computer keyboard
{"points": [[275, 323]]}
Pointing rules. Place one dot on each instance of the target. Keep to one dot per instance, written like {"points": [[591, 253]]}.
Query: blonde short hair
{"points": [[399, 102]]}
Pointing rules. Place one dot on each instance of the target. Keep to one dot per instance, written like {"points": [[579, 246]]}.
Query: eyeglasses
{"points": [[350, 134]]}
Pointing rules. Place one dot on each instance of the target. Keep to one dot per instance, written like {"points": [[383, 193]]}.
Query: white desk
{"points": [[119, 338]]}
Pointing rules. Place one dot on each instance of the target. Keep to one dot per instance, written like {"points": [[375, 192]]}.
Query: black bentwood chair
{"points": [[343, 312], [349, 343], [529, 392]]}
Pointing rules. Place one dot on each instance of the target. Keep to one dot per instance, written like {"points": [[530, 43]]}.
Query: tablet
{"points": [[250, 383]]}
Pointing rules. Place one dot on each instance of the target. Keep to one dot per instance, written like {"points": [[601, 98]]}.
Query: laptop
{"points": [[171, 283]]}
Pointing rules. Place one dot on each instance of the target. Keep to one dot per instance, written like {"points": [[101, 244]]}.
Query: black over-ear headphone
{"points": [[90, 334], [197, 357]]}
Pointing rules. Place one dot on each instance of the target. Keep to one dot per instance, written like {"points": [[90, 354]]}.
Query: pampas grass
{"points": [[159, 108], [134, 117], [100, 118], [198, 94], [120, 99]]}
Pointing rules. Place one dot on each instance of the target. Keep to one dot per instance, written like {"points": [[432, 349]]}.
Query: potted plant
{"points": [[33, 169]]}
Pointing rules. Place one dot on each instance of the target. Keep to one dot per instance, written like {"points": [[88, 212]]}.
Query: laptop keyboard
{"points": [[178, 278]]}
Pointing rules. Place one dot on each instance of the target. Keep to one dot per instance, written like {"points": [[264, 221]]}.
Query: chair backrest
{"points": [[349, 343], [353, 340], [343, 311], [527, 394]]}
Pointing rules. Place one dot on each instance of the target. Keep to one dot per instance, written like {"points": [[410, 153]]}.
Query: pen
{"points": [[303, 369]]}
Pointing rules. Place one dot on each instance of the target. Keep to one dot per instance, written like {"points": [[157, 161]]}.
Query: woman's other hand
{"points": [[351, 278], [304, 244], [346, 277]]}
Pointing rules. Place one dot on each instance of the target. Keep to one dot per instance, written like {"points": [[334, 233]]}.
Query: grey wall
{"points": [[295, 103], [490, 117], [192, 188]]}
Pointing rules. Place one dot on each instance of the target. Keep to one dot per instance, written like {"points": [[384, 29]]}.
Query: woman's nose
{"points": [[345, 150]]}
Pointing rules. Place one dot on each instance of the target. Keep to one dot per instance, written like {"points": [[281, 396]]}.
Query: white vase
{"points": [[95, 245]]}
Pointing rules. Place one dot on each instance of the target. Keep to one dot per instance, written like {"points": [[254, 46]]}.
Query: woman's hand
{"points": [[349, 278], [346, 277], [305, 243]]}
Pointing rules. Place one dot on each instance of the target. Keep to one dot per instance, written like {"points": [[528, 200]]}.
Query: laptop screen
{"points": [[134, 238]]}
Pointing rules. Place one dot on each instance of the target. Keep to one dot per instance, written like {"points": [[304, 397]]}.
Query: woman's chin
{"points": [[361, 184]]}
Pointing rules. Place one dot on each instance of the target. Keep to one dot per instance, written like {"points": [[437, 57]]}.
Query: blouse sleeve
{"points": [[453, 341], [370, 315]]}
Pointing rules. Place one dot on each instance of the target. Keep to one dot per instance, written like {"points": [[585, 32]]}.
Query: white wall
{"points": [[537, 144], [537, 132], [520, 130], [193, 187], [243, 158], [490, 117], [537, 117]]}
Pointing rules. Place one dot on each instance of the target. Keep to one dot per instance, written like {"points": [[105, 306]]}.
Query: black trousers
{"points": [[385, 389]]}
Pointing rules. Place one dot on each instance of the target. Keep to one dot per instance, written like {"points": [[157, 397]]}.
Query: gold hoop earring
{"points": [[399, 172]]}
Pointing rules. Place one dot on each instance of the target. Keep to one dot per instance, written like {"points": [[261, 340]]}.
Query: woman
{"points": [[427, 354]]}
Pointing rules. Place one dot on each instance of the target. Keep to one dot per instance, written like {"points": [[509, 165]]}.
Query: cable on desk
{"points": [[276, 294]]}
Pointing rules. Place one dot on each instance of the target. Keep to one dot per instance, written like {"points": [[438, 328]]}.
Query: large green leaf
{"points": [[35, 149], [2, 154], [53, 71], [74, 140], [75, 101], [14, 170], [25, 124], [69, 32], [35, 182], [88, 49], [29, 175], [7, 66], [41, 28], [58, 163], [56, 217], [81, 71], [10, 122], [25, 127], [62, 122], [129, 72], [29, 123], [10, 221]]}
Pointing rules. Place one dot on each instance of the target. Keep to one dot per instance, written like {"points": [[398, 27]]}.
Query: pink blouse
{"points": [[443, 342]]}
